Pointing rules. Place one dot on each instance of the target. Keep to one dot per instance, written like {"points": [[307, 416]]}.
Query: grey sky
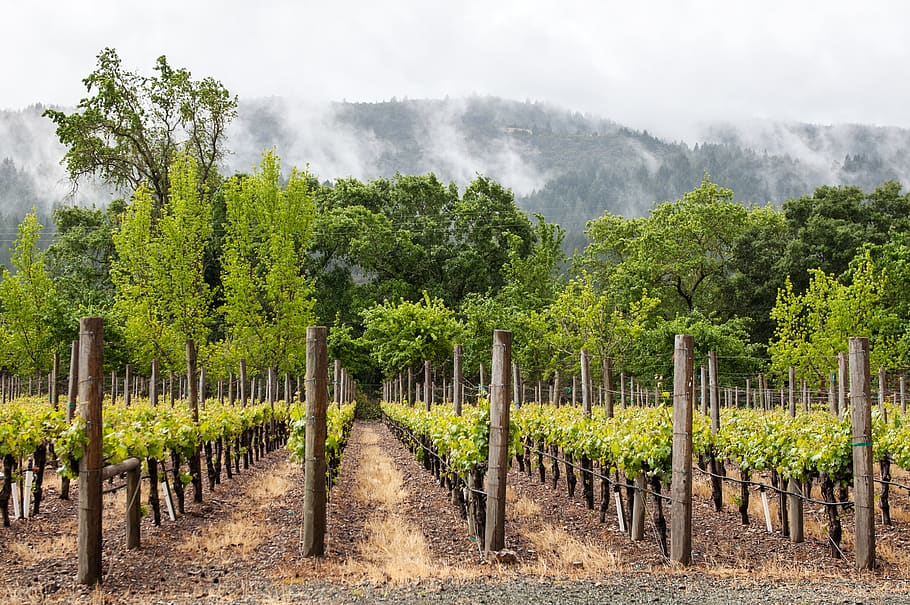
{"points": [[660, 65]]}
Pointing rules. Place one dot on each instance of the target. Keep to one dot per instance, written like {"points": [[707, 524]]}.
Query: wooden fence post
{"points": [[714, 466], [457, 380], [860, 401], [681, 482], [241, 386], [72, 396], [498, 461], [194, 461], [317, 362], [842, 377], [91, 362]]}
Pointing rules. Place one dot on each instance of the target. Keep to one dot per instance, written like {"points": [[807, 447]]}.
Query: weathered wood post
{"points": [[587, 465], [609, 385], [153, 384], [194, 462], [127, 384], [317, 361], [52, 390], [794, 486], [72, 396], [681, 482], [336, 383], [498, 461], [516, 385], [457, 380], [241, 386], [860, 401], [903, 399], [91, 362], [411, 399], [842, 377], [714, 466], [832, 394], [427, 384]]}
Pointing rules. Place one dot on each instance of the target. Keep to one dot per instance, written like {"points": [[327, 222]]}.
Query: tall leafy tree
{"points": [[813, 326], [681, 252], [30, 311], [132, 127], [162, 297], [268, 300]]}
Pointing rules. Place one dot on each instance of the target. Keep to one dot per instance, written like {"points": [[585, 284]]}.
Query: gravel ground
{"points": [[637, 588]]}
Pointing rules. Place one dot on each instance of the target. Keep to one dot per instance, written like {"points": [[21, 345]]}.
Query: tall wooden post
{"points": [[794, 487], [242, 384], [55, 372], [792, 395], [585, 384], [127, 384], [336, 383], [483, 382], [73, 390], [410, 395], [608, 385], [498, 462], [457, 380], [681, 483], [622, 390], [153, 384], [903, 399], [427, 384], [832, 395], [91, 362], [882, 390], [516, 384], [194, 461], [860, 401], [717, 485], [317, 362]]}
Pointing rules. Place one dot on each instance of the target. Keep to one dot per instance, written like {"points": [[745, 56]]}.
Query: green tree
{"points": [[268, 300], [30, 311], [681, 253], [79, 260], [405, 334], [132, 128], [813, 326], [162, 297]]}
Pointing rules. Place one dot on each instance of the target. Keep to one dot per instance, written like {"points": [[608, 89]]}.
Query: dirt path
{"points": [[394, 535]]}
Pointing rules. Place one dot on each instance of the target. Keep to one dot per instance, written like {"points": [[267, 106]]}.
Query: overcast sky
{"points": [[659, 65]]}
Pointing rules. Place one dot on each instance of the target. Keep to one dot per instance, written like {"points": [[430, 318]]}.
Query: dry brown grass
{"points": [[378, 481], [561, 553], [237, 537], [272, 485], [34, 550], [394, 551], [523, 508], [889, 553]]}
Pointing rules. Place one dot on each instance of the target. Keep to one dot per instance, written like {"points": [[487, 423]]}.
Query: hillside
{"points": [[567, 166]]}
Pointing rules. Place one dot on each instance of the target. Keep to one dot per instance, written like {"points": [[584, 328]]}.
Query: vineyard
{"points": [[785, 472]]}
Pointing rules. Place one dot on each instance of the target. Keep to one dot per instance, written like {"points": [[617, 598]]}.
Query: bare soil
{"points": [[243, 544]]}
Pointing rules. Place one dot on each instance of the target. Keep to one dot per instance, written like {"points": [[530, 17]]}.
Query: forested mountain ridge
{"points": [[567, 166]]}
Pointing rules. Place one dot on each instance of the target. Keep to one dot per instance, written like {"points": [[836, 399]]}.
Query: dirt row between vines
{"points": [[394, 535]]}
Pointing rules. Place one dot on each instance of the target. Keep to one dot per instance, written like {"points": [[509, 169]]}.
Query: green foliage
{"points": [[681, 253], [813, 327], [162, 297], [585, 318], [134, 127], [268, 301], [651, 354], [30, 308], [406, 334]]}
